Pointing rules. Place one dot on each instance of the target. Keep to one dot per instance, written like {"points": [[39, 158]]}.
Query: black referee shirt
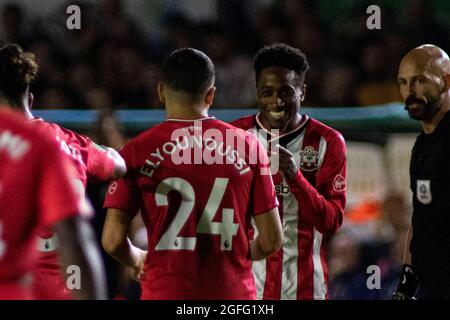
{"points": [[430, 183]]}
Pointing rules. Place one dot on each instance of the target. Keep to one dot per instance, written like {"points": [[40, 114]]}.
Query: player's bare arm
{"points": [[116, 243], [78, 247], [270, 235]]}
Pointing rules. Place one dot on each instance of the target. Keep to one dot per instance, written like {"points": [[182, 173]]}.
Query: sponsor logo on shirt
{"points": [[339, 183], [423, 192], [309, 159], [282, 189]]}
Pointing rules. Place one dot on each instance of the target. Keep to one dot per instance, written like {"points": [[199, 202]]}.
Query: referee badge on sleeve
{"points": [[423, 192]]}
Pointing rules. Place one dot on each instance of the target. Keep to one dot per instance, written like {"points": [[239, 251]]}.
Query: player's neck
{"points": [[22, 109], [292, 125], [27, 113], [187, 113]]}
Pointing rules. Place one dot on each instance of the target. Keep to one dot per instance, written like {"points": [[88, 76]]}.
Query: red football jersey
{"points": [[89, 161], [311, 209], [197, 187], [36, 190]]}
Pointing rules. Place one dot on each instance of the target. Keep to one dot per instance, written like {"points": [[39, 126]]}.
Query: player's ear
{"points": [[446, 82], [303, 92], [161, 92], [30, 100], [209, 97]]}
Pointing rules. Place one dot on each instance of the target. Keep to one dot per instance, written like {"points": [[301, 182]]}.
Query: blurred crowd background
{"points": [[114, 62], [115, 59]]}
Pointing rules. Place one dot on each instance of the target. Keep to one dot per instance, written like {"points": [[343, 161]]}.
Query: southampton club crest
{"points": [[309, 159]]}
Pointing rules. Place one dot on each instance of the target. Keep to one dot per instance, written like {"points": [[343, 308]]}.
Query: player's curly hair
{"points": [[17, 70], [281, 55]]}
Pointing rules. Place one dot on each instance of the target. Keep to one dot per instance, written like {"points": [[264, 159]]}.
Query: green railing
{"points": [[383, 119]]}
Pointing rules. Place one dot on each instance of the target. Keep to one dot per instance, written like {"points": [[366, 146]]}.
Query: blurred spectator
{"points": [[377, 86], [396, 213], [338, 87], [350, 270], [178, 32], [53, 98], [98, 98], [126, 88], [420, 25], [272, 26], [347, 280], [233, 71], [370, 221], [12, 26], [108, 130], [119, 27], [50, 74], [150, 75], [80, 79], [372, 235]]}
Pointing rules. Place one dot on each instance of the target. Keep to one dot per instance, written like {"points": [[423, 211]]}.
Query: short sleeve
{"points": [[122, 193], [264, 197], [57, 195], [100, 164]]}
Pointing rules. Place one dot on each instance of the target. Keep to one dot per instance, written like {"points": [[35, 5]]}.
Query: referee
{"points": [[424, 79]]}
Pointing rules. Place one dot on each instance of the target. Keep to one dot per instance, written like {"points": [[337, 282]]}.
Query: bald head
{"points": [[428, 58]]}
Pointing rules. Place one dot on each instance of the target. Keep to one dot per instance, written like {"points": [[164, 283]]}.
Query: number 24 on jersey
{"points": [[170, 240]]}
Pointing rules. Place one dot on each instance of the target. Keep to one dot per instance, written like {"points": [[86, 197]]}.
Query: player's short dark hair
{"points": [[281, 55], [17, 70], [188, 70]]}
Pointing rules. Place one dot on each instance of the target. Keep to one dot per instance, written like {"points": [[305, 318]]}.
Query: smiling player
{"points": [[312, 179]]}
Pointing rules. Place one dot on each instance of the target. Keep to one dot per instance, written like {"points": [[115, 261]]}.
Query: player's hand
{"points": [[407, 285], [287, 164], [138, 268]]}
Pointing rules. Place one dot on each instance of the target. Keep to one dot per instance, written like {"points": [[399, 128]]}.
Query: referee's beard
{"points": [[421, 109]]}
